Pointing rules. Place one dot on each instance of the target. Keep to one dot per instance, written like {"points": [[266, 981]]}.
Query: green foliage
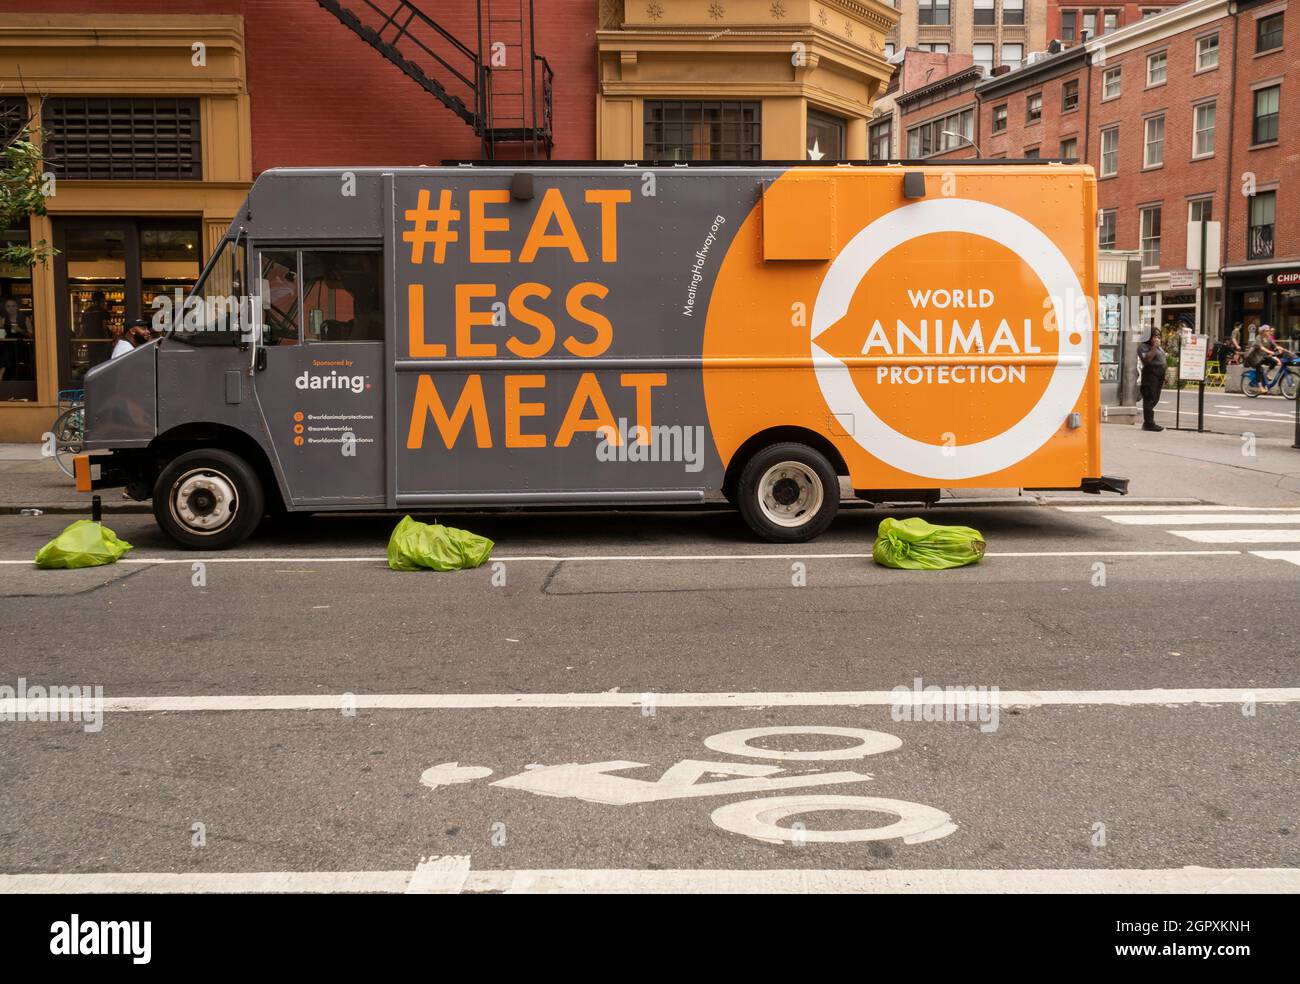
{"points": [[23, 190]]}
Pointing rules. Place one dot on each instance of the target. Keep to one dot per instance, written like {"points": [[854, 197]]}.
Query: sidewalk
{"points": [[1224, 468], [29, 480]]}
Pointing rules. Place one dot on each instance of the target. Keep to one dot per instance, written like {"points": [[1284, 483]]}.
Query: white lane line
{"points": [[1174, 508], [1239, 536], [443, 875], [38, 708], [1290, 556], [1203, 519], [1251, 418], [712, 880], [639, 558]]}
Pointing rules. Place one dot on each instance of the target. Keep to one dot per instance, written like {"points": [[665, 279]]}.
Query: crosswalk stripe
{"points": [[1290, 556], [1239, 536], [1203, 519], [1172, 508]]}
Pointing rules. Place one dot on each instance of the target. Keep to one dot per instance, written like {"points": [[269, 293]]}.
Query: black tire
{"points": [[211, 487], [765, 499]]}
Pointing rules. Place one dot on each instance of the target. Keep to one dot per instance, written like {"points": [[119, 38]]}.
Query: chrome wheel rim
{"points": [[203, 501], [790, 494]]}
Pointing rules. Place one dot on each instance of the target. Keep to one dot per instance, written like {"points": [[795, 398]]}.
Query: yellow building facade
{"points": [[739, 79], [98, 86]]}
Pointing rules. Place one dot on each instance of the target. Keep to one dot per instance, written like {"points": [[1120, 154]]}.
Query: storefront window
{"points": [[110, 271], [17, 331], [96, 270], [825, 137]]}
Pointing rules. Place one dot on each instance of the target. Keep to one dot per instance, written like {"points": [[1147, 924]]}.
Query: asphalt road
{"points": [[374, 720], [1229, 413]]}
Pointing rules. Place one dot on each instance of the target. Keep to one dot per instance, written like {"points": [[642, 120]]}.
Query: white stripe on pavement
{"points": [[711, 880], [1203, 519], [1239, 536], [39, 708], [1290, 556], [443, 875], [1174, 508], [639, 558]]}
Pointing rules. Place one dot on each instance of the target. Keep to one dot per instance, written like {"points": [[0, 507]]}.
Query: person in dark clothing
{"points": [[1152, 357]]}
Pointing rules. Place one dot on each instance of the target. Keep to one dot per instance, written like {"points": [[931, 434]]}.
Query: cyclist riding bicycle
{"points": [[1265, 354]]}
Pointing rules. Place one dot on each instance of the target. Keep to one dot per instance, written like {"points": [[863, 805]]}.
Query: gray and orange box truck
{"points": [[412, 338]]}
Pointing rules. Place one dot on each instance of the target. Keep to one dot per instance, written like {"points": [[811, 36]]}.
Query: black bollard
{"points": [[96, 510]]}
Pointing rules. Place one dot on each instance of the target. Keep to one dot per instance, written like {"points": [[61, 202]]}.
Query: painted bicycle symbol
{"points": [[762, 819]]}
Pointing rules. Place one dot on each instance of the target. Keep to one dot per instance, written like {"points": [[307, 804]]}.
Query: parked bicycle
{"points": [[1255, 380], [69, 429]]}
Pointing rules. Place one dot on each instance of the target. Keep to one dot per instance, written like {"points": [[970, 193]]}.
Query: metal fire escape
{"points": [[499, 84]]}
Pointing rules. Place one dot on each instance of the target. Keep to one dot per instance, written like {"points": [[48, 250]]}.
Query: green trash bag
{"points": [[419, 546], [915, 545], [83, 544]]}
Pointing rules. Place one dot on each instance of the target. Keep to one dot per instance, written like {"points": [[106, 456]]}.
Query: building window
{"points": [[938, 136], [129, 139], [1109, 21], [1268, 33], [1013, 12], [1070, 96], [1151, 236], [938, 47], [18, 352], [1013, 55], [1034, 108], [825, 136], [1203, 117], [1089, 24], [1200, 210], [932, 12], [1207, 52], [1157, 68], [1106, 228], [1153, 144], [1264, 129], [1068, 20], [1151, 12], [984, 56], [1069, 148], [880, 137], [1259, 239], [1000, 118], [889, 49], [690, 130], [1031, 153], [984, 15], [1110, 152], [1110, 83]]}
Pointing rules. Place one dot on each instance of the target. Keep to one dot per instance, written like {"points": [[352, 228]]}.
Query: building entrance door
{"points": [[108, 272]]}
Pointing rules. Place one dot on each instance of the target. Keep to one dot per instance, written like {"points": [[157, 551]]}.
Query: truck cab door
{"points": [[319, 370]]}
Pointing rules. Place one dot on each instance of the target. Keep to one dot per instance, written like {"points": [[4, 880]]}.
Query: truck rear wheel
{"points": [[788, 493], [208, 500]]}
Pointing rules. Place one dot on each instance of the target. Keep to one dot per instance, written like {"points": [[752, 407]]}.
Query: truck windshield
{"points": [[216, 310]]}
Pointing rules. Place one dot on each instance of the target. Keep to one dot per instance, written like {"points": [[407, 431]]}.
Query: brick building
{"points": [[1262, 214], [158, 114], [992, 32], [1073, 21], [1185, 115]]}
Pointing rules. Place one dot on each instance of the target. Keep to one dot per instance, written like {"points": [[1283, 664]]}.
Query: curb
{"points": [[76, 509]]}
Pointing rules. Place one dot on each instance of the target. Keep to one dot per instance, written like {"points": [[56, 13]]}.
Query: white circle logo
{"points": [[1074, 321]]}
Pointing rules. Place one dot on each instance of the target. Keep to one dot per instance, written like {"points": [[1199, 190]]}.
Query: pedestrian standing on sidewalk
{"points": [[1152, 357]]}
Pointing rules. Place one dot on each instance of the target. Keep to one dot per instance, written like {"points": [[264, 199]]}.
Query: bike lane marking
{"points": [[20, 707]]}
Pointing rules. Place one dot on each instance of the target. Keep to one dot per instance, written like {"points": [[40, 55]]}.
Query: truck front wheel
{"points": [[208, 500], [788, 493]]}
